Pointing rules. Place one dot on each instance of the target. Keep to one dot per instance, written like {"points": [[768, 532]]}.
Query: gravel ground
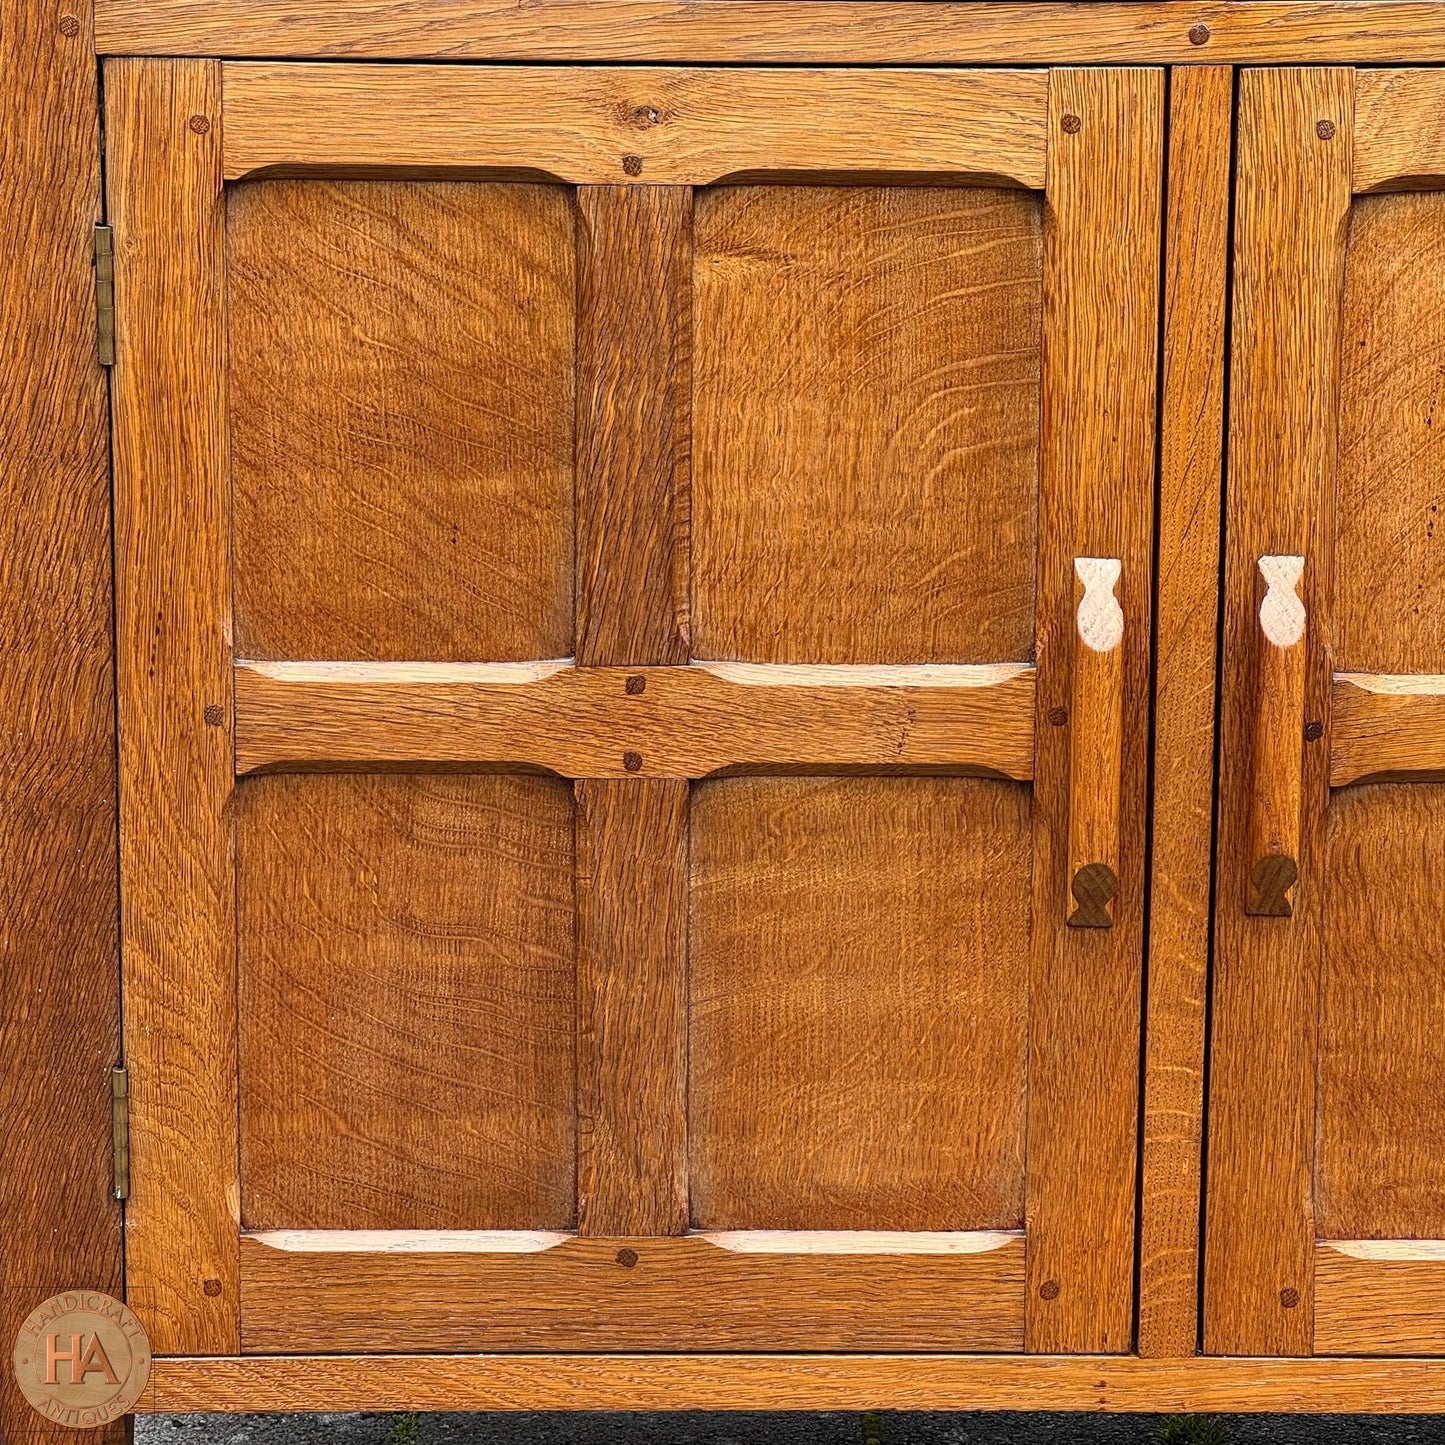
{"points": [[896, 1428]]}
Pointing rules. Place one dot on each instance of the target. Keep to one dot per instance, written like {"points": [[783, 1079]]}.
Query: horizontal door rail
{"points": [[657, 722], [1387, 727], [1379, 1296], [1399, 130], [654, 125]]}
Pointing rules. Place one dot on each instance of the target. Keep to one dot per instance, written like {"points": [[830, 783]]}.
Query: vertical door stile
{"points": [[1101, 286], [633, 455], [174, 683]]}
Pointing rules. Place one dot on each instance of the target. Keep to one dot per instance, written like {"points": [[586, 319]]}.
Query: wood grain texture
{"points": [[1380, 1297], [1291, 208], [632, 1007], [595, 722], [1101, 294], [407, 983], [59, 981], [866, 393], [383, 509], [858, 1001], [1380, 1160], [634, 424], [1186, 601], [648, 1294], [1399, 134], [173, 665], [1390, 552], [923, 32], [852, 1382], [1387, 728], [599, 126]]}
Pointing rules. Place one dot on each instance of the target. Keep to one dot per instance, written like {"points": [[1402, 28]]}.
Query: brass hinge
{"points": [[105, 296], [120, 1129]]}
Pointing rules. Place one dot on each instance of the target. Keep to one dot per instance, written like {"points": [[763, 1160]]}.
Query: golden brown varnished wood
{"points": [[643, 1294], [1380, 1130], [866, 385], [59, 981], [1399, 135], [1390, 566], [907, 32], [594, 722], [1101, 289], [858, 1003], [1292, 203], [1201, 106], [385, 508], [1387, 727], [173, 666], [599, 125], [1379, 1297], [632, 1007], [793, 1382], [634, 424], [407, 1016]]}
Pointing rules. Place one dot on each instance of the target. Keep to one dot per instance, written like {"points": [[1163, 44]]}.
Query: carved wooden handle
{"points": [[1278, 762], [1096, 743]]}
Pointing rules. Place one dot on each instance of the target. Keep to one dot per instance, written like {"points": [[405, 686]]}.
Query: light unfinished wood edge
{"points": [[1399, 130], [1379, 1296], [608, 722], [652, 125], [792, 1382], [1387, 728], [906, 32]]}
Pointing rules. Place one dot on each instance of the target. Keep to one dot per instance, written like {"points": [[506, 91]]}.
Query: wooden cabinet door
{"points": [[1326, 1213], [633, 594]]}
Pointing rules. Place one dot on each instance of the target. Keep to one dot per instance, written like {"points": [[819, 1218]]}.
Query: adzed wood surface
{"points": [[859, 953], [59, 975], [173, 676], [407, 1002], [640, 1293], [866, 429], [401, 396], [599, 125], [591, 722]]}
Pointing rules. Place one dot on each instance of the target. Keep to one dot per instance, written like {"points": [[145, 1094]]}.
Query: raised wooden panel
{"points": [[407, 1002], [858, 1000], [866, 424], [402, 419], [1380, 1170], [1390, 558]]}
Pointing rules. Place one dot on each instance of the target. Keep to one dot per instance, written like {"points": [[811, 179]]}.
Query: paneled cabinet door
{"points": [[633, 631], [1326, 1214]]}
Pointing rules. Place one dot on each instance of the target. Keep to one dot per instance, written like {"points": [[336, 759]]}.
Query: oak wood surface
{"points": [[59, 980], [1380, 1132], [1292, 202], [173, 664], [1101, 293], [923, 32], [632, 1041], [1379, 1297], [866, 429], [1399, 134], [1201, 106], [634, 424], [796, 1382], [662, 126], [407, 1015], [1387, 727], [858, 1003], [599, 722], [653, 1293], [1390, 583], [383, 507]]}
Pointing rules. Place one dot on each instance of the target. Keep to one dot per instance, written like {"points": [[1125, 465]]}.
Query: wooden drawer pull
{"points": [[1278, 763], [1096, 743]]}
